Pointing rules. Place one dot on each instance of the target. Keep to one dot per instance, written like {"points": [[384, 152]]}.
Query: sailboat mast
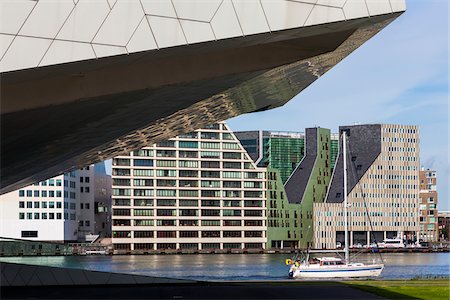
{"points": [[344, 143]]}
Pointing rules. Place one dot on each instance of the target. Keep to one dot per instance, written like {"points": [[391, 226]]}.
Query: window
{"points": [[231, 174], [120, 212], [117, 162], [29, 234], [166, 193], [188, 234], [232, 223], [211, 183], [188, 154], [188, 193], [51, 182], [51, 216], [59, 193], [166, 173], [166, 234], [143, 234], [143, 162], [166, 212], [214, 203], [183, 144], [210, 222], [231, 155], [231, 165], [122, 234], [141, 173], [166, 223], [227, 136], [230, 146], [188, 222], [231, 212], [36, 193], [144, 152], [210, 174], [142, 202], [121, 192], [209, 145], [29, 193], [188, 202], [211, 212], [188, 164], [167, 144], [21, 193], [21, 204], [44, 216], [209, 154], [232, 234], [253, 213], [210, 234], [119, 172], [189, 135], [188, 183], [58, 204], [121, 182], [210, 164], [143, 212], [188, 173], [29, 204], [188, 212], [166, 163], [59, 217], [143, 182], [143, 222], [166, 182], [87, 205], [59, 182], [51, 194], [21, 216], [166, 202]]}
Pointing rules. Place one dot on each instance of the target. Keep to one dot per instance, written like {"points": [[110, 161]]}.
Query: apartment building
{"points": [[429, 228], [62, 208], [200, 190], [383, 186]]}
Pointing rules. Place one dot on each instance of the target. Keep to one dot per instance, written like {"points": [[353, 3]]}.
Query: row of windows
{"points": [[195, 246], [187, 183], [364, 223], [173, 212], [37, 194], [173, 202], [51, 204], [399, 130], [146, 222], [50, 182], [187, 193], [187, 234], [44, 216], [187, 173]]}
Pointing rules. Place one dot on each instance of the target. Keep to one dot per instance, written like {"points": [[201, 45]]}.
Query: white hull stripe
{"points": [[348, 270]]}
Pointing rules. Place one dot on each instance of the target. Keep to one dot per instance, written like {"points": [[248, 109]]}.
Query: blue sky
{"points": [[399, 76]]}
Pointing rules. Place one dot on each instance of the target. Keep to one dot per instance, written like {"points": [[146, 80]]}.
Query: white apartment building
{"points": [[199, 190], [62, 208], [383, 162]]}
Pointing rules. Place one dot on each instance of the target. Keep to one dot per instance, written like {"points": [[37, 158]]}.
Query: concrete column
{"points": [[351, 239], [368, 237], [384, 235], [282, 244]]}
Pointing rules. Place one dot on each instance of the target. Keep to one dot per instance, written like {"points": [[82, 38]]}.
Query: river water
{"points": [[219, 267]]}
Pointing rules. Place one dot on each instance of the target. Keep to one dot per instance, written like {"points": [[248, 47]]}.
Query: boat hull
{"points": [[341, 272]]}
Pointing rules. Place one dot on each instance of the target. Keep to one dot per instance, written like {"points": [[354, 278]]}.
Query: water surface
{"points": [[219, 267]]}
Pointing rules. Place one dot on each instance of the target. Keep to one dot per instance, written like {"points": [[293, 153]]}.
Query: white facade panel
{"points": [[251, 16], [142, 38], [200, 10], [197, 32], [355, 9], [120, 24], [84, 21], [63, 52], [13, 14], [167, 31], [324, 14], [284, 14], [19, 55], [225, 23], [161, 8], [47, 18]]}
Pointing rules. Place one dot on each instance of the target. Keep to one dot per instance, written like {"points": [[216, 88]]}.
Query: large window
{"points": [[230, 146], [232, 223], [188, 212], [166, 202], [210, 222], [143, 202], [210, 234], [214, 203], [142, 173], [143, 162], [143, 182], [166, 163], [121, 192], [231, 174], [211, 212], [188, 183], [143, 222], [143, 234], [121, 182], [188, 234], [209, 154], [188, 154], [210, 164], [166, 153], [117, 162], [166, 173], [166, 182], [185, 144], [166, 234], [210, 174], [29, 234], [231, 184], [210, 135], [231, 212], [184, 202], [188, 164], [188, 173], [143, 212], [143, 192], [144, 152], [231, 165], [166, 193], [119, 172], [232, 234], [210, 193], [188, 193], [166, 212], [210, 145], [167, 144], [211, 183]]}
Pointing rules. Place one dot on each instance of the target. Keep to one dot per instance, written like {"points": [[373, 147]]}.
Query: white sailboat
{"points": [[334, 267]]}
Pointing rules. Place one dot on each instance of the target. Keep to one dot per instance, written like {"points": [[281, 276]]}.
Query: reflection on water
{"points": [[235, 266]]}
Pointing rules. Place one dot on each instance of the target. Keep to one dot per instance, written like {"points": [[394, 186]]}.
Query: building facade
{"points": [[429, 228], [59, 209], [200, 190], [444, 223], [383, 186]]}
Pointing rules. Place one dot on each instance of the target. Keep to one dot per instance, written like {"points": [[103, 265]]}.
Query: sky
{"points": [[400, 76]]}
